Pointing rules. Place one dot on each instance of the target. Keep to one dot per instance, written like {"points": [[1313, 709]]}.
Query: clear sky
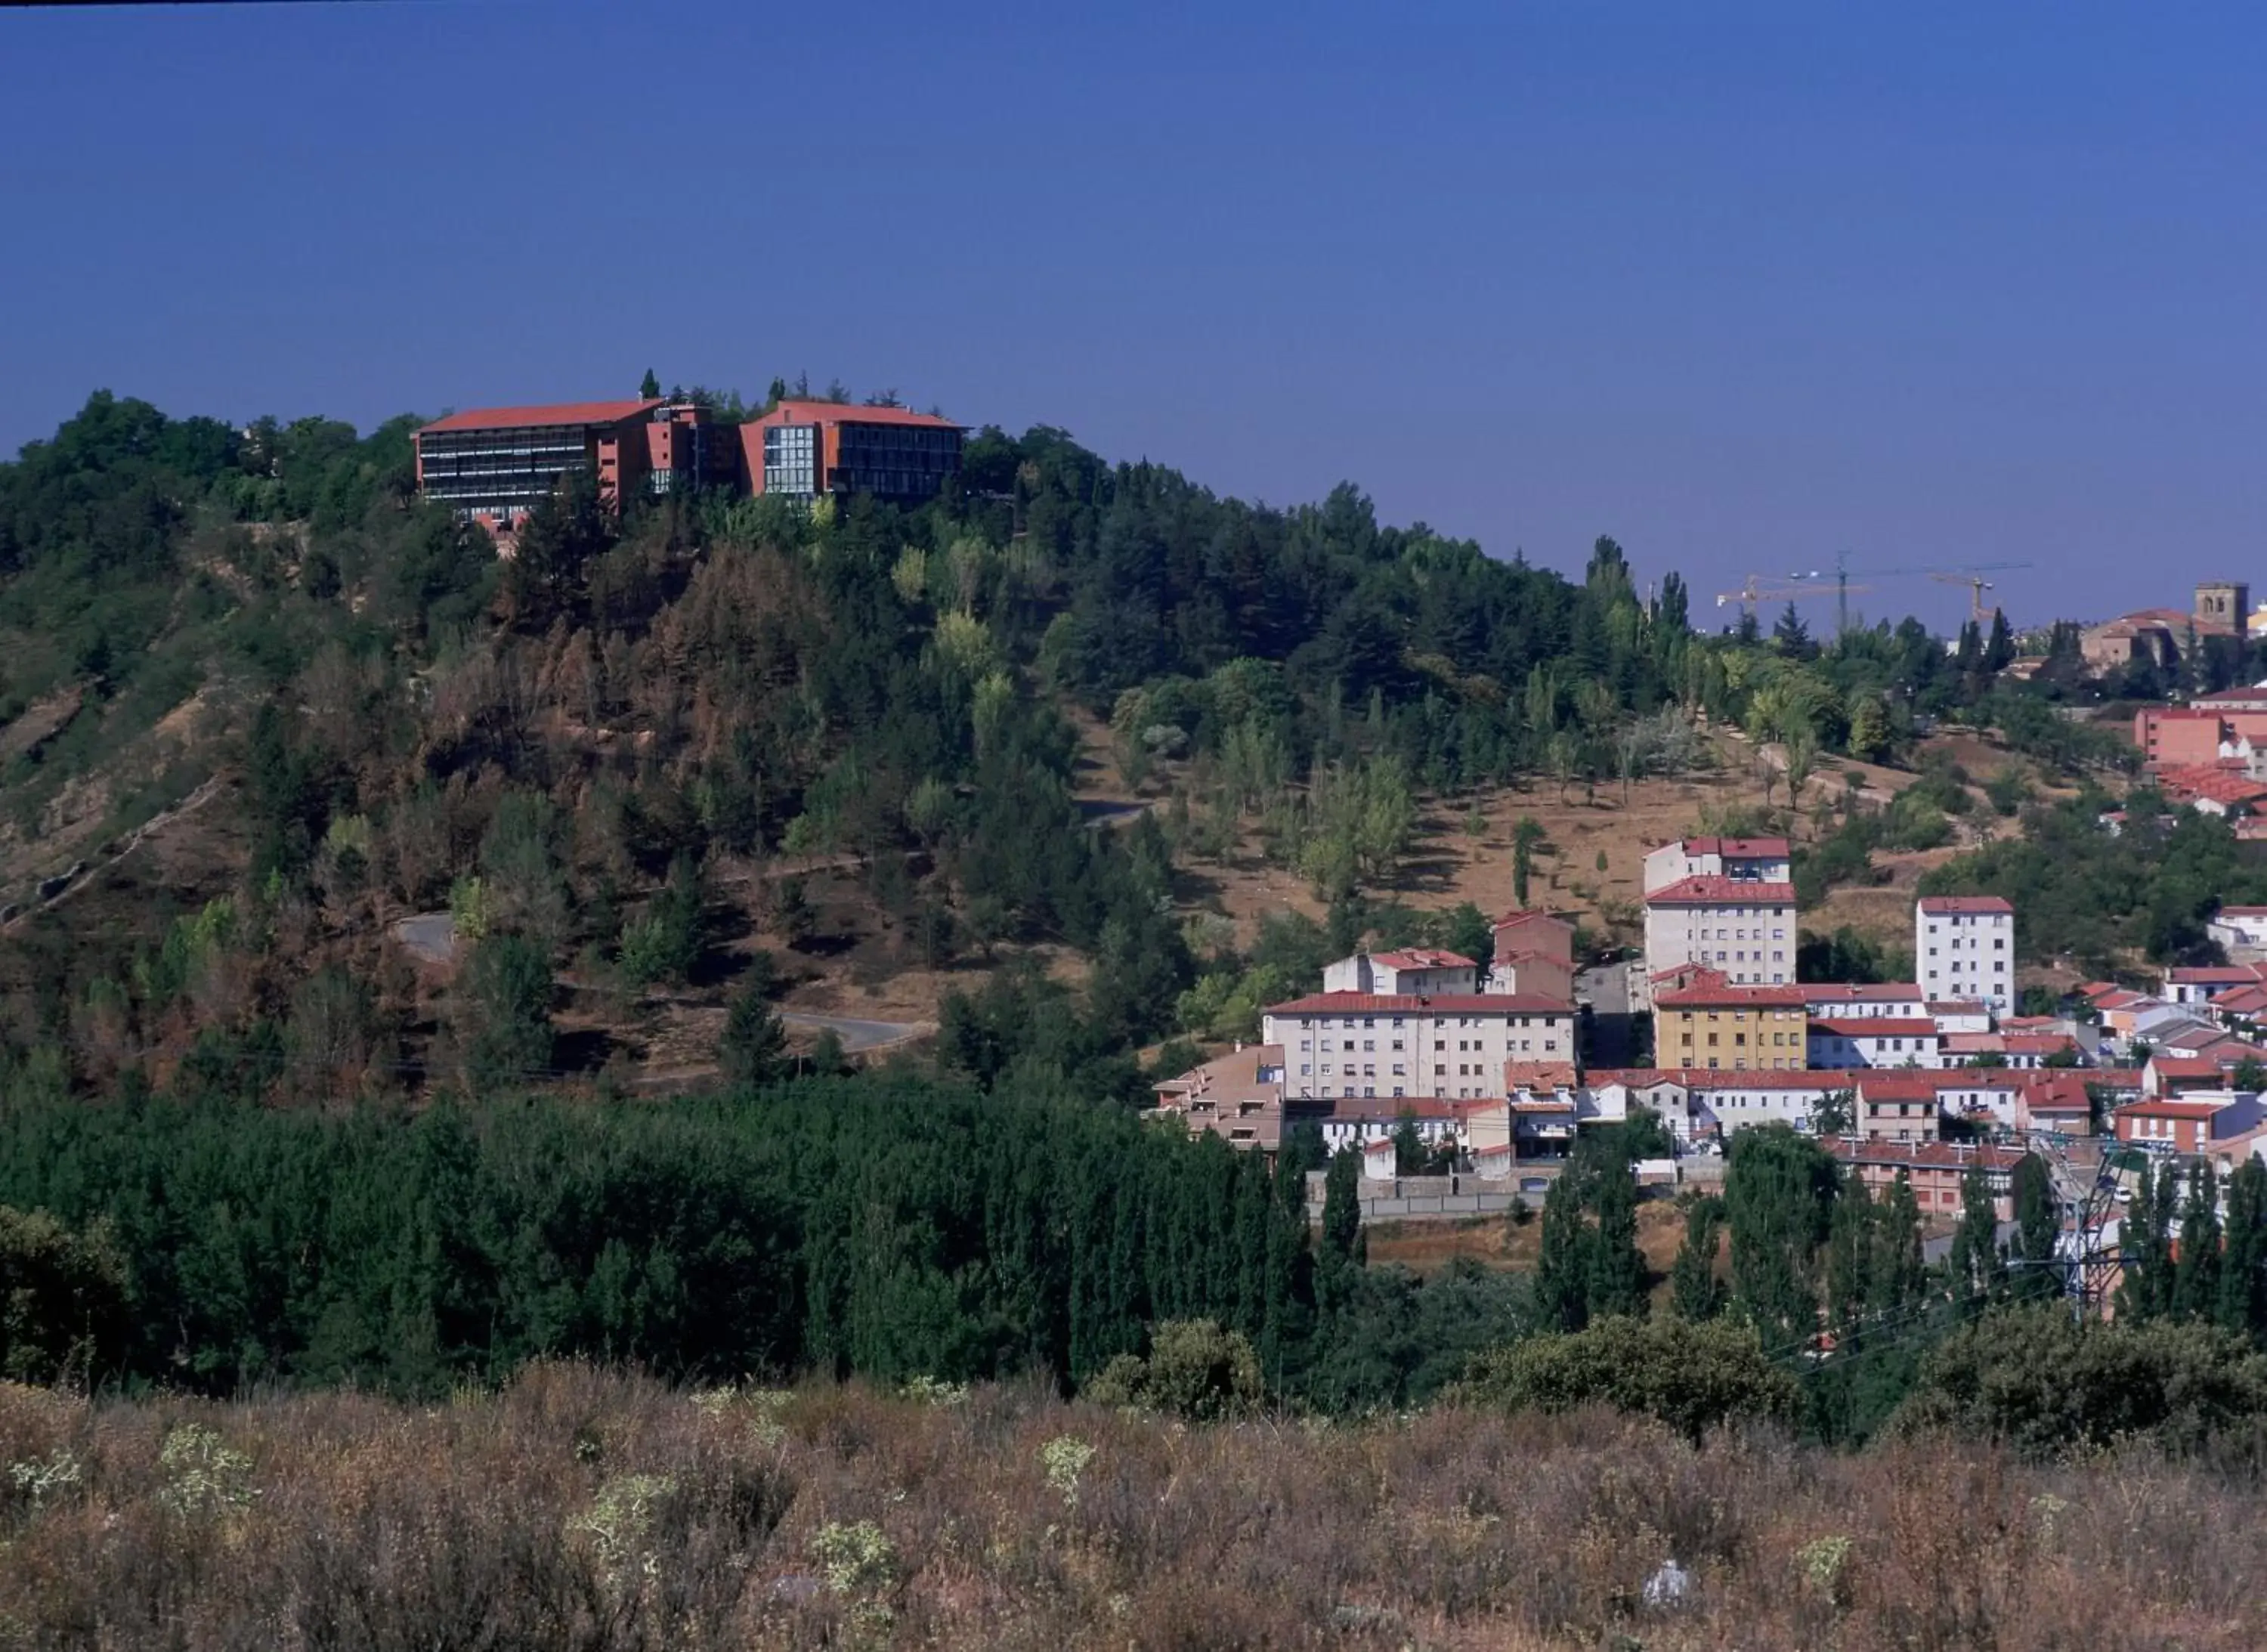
{"points": [[1743, 285]]}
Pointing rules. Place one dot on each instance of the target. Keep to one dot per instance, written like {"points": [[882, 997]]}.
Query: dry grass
{"points": [[583, 1509], [1427, 1247]]}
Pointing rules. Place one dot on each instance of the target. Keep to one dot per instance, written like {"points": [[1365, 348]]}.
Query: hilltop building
{"points": [[493, 465]]}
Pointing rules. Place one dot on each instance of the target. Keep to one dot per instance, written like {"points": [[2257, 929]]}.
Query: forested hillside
{"points": [[612, 758]]}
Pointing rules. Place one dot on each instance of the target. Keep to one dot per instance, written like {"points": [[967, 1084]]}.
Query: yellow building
{"points": [[1728, 1028]]}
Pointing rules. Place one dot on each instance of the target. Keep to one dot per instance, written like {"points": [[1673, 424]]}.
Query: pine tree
{"points": [[649, 387]]}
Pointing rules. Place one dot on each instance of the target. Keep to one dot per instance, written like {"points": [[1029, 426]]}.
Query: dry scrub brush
{"points": [[584, 1508]]}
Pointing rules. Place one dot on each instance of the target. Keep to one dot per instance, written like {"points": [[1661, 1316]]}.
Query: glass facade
{"points": [[791, 460], [895, 461], [500, 472]]}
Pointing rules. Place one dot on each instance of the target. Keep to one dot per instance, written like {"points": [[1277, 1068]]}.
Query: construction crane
{"points": [[1971, 577], [1767, 587], [1976, 586]]}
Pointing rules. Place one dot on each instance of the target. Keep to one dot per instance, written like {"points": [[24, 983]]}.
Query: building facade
{"points": [[1714, 1027], [1743, 860], [1419, 971], [494, 465], [1745, 927], [810, 450], [1453, 1046], [1965, 947], [1876, 1041]]}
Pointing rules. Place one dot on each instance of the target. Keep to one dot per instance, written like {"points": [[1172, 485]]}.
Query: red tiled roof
{"points": [[845, 412], [2060, 1092], [1423, 958], [1721, 892], [2205, 975], [1738, 849], [2167, 1107], [1346, 1003], [1726, 995], [1896, 1086], [1964, 903], [1538, 1075], [2241, 912], [1861, 992], [558, 413], [1878, 1027], [2185, 1067]]}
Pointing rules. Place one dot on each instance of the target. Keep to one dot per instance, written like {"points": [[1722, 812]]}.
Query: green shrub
{"points": [[1690, 1377], [1195, 1371], [2044, 1382]]}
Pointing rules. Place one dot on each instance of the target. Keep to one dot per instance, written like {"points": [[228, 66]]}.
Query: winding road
{"points": [[859, 1036]]}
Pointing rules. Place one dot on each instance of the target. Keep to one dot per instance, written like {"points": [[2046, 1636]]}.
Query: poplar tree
{"points": [[1617, 1267], [1694, 1291], [2038, 1231]]}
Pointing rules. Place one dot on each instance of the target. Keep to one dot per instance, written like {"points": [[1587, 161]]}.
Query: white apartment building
{"points": [[1843, 1001], [1875, 1041], [1741, 926], [1450, 1045], [2240, 930], [1414, 970], [1965, 947], [1742, 860]]}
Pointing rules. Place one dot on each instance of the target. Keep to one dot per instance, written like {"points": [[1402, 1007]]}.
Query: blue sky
{"points": [[1744, 285]]}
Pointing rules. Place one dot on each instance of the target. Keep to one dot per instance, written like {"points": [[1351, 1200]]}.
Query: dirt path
{"points": [[80, 876]]}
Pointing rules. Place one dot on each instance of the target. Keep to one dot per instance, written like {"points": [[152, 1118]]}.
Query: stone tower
{"points": [[2223, 604]]}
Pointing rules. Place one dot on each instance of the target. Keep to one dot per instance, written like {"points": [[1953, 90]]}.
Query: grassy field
{"points": [[581, 1509]]}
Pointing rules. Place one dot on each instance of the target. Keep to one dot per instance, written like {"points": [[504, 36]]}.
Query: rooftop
{"points": [[1347, 1003], [1720, 995], [1423, 958], [574, 413], [1738, 849], [1721, 892], [1875, 1027], [1897, 1085], [1827, 992], [847, 413], [1964, 903]]}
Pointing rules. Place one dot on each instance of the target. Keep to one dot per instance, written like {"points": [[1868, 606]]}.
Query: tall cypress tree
{"points": [[1694, 1291], [1617, 1267], [1850, 1243], [2195, 1279], [1975, 1263], [1562, 1273], [2038, 1231], [2144, 1282], [2242, 1306], [1779, 1195], [1900, 1275]]}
